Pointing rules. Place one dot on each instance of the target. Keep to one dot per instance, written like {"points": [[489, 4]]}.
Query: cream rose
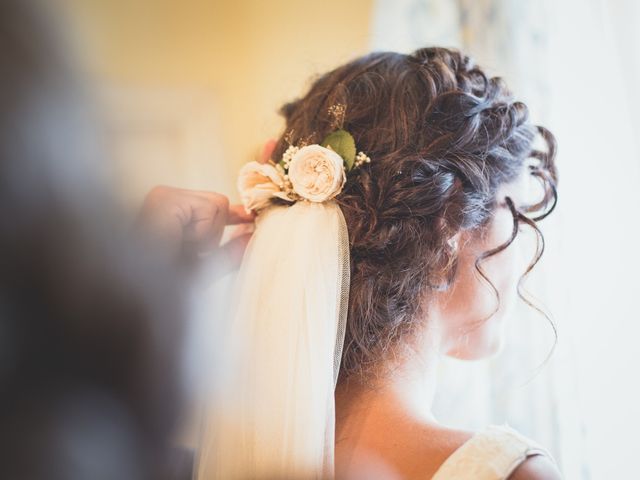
{"points": [[317, 173], [258, 183]]}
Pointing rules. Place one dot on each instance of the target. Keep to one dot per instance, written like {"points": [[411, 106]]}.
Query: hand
{"points": [[190, 223]]}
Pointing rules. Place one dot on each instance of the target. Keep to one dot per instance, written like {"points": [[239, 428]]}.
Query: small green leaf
{"points": [[343, 144]]}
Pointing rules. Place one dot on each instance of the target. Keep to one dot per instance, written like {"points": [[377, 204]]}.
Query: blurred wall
{"points": [[191, 87]]}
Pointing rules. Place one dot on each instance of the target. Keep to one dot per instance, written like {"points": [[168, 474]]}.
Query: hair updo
{"points": [[442, 137]]}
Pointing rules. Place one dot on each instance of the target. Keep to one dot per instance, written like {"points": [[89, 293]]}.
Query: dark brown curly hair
{"points": [[443, 136]]}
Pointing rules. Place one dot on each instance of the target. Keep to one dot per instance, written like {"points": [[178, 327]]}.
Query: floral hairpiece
{"points": [[313, 172]]}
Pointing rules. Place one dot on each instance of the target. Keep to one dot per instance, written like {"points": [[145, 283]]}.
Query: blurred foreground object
{"points": [[90, 318]]}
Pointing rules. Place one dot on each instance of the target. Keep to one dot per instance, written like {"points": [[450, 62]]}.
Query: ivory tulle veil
{"points": [[274, 416]]}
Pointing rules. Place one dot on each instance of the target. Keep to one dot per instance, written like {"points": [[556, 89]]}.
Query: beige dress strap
{"points": [[491, 454]]}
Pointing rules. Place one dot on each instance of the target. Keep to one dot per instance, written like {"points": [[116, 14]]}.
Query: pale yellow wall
{"points": [[250, 55]]}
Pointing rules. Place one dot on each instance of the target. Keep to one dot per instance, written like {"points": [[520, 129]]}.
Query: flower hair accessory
{"points": [[315, 172]]}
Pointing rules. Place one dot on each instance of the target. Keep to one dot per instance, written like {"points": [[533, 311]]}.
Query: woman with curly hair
{"points": [[431, 218]]}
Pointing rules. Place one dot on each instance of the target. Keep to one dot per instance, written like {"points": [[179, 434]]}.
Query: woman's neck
{"points": [[387, 420], [384, 418], [409, 391], [404, 388], [407, 379]]}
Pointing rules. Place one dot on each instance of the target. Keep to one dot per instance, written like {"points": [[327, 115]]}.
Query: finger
{"points": [[207, 225], [267, 150], [237, 214], [241, 229]]}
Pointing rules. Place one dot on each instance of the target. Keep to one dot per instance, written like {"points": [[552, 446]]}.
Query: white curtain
{"points": [[576, 63]]}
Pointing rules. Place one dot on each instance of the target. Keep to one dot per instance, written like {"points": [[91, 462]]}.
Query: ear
{"points": [[454, 241]]}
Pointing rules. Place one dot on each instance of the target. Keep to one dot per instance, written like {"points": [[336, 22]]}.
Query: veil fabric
{"points": [[274, 415]]}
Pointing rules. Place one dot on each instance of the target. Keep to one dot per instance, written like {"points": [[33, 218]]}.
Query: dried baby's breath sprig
{"points": [[307, 140], [288, 137], [361, 158], [337, 112], [287, 156]]}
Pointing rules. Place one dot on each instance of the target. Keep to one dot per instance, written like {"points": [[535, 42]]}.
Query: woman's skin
{"points": [[390, 418], [385, 427]]}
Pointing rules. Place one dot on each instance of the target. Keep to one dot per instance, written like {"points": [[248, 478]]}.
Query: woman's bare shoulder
{"points": [[536, 467], [437, 444], [411, 449]]}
